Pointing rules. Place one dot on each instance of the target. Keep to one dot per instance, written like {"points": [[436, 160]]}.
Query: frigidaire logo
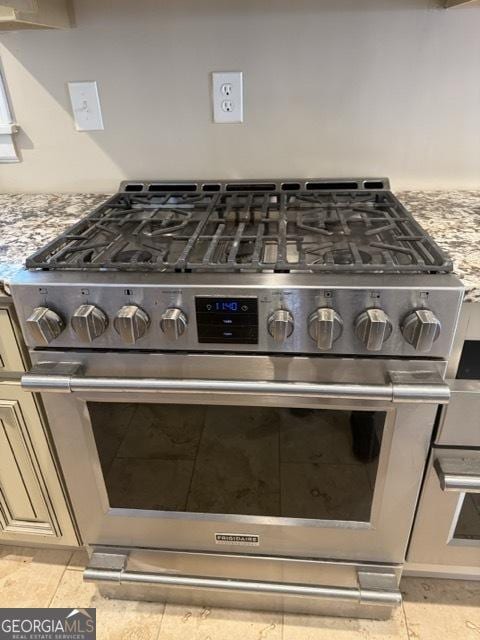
{"points": [[47, 624], [248, 540]]}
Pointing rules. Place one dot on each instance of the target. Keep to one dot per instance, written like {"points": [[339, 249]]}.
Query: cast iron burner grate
{"points": [[239, 231]]}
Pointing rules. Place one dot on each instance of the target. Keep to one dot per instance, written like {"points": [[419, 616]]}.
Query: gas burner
{"points": [[133, 256], [168, 222], [231, 227], [347, 256]]}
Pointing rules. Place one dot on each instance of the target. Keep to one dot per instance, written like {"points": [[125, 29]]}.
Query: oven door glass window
{"points": [[264, 461], [468, 523]]}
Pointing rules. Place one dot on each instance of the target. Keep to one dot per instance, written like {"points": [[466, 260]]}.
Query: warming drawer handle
{"points": [[458, 474], [67, 378], [360, 595]]}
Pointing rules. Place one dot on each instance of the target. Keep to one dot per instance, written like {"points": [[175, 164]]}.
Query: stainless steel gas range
{"points": [[242, 380]]}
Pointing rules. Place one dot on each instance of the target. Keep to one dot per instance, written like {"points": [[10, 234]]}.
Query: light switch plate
{"points": [[227, 96], [86, 106]]}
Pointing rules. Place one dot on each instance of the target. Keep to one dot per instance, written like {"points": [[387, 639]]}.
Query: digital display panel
{"points": [[226, 305], [227, 320]]}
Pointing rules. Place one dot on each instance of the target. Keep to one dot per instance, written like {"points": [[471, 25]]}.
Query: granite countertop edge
{"points": [[452, 218]]}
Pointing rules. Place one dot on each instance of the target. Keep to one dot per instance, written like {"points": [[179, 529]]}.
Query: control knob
{"points": [[89, 322], [280, 325], [325, 326], [420, 329], [373, 327], [131, 323], [45, 325], [173, 323]]}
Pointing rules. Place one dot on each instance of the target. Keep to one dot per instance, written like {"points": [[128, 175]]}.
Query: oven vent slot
{"points": [[291, 186], [331, 186], [167, 188], [211, 187], [374, 184], [251, 186], [134, 187]]}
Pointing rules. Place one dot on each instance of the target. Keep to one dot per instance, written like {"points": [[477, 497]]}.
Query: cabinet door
{"points": [[10, 358], [33, 507]]}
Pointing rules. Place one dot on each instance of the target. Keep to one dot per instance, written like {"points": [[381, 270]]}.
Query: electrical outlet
{"points": [[227, 95], [86, 106]]}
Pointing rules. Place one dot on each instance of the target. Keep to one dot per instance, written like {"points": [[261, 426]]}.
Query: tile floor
{"points": [[432, 609]]}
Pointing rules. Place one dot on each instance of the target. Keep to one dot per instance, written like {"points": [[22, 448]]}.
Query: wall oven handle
{"points": [[458, 474], [402, 387], [386, 597]]}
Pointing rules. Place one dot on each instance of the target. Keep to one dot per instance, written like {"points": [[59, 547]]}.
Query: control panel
{"points": [[410, 321]]}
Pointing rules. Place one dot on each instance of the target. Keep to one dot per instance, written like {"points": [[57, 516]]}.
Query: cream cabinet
{"points": [[35, 14], [33, 504], [10, 347]]}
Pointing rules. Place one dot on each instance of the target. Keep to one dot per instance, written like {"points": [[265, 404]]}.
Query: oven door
{"points": [[292, 456]]}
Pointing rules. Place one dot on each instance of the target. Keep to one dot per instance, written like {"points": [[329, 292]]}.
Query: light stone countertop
{"points": [[29, 221]]}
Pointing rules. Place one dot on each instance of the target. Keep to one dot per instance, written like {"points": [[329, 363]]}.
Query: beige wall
{"points": [[333, 88]]}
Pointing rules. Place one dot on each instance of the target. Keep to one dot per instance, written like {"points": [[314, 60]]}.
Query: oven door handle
{"points": [[402, 387], [461, 474]]}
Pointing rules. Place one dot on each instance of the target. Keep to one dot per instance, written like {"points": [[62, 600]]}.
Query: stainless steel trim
{"points": [[458, 474], [52, 378], [429, 391], [391, 597]]}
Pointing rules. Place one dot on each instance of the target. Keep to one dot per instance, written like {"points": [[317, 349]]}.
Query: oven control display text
{"points": [[227, 320]]}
